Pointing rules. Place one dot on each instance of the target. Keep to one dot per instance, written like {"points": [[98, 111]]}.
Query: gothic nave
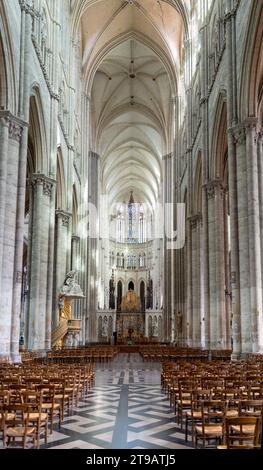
{"points": [[131, 216]]}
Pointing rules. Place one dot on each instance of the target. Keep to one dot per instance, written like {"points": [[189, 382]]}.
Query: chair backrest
{"points": [[251, 408], [213, 412], [243, 432]]}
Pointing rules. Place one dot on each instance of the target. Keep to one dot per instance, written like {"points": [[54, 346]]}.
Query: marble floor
{"points": [[125, 409]]}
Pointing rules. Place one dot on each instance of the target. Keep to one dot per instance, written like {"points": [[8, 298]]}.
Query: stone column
{"points": [[216, 264], [255, 256], [260, 187], [245, 136], [4, 137], [50, 268], [227, 286], [55, 72], [93, 191], [19, 245], [243, 237], [36, 329], [189, 287], [75, 253], [195, 222], [62, 225], [232, 180], [212, 265], [168, 228], [83, 218], [11, 130], [220, 265], [205, 175]]}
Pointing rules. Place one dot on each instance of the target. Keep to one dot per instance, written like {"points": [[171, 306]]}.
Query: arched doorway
{"points": [[150, 294], [142, 296], [111, 292], [31, 170], [131, 285], [119, 296]]}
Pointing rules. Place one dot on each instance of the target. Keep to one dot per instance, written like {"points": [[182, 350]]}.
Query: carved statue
{"points": [[105, 327], [155, 329], [71, 288], [65, 308]]}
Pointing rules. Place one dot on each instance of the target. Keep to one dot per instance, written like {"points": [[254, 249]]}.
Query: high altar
{"points": [[130, 322], [130, 303]]}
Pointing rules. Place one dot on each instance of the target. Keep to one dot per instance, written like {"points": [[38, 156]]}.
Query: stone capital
{"points": [[47, 183], [64, 217], [94, 155], [15, 131], [214, 187], [260, 136], [14, 124], [168, 156], [248, 127], [27, 6], [195, 220], [239, 134], [75, 238], [189, 149]]}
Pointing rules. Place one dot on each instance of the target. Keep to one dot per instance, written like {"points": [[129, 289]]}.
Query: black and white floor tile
{"points": [[125, 409]]}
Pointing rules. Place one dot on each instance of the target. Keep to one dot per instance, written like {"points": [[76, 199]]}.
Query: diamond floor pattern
{"points": [[126, 409]]}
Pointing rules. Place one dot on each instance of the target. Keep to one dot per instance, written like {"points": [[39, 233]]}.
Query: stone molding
{"points": [[232, 13], [240, 132], [64, 216], [94, 155], [64, 132], [15, 125], [52, 93], [75, 238], [168, 156], [214, 186], [195, 220], [47, 183], [15, 131], [27, 6]]}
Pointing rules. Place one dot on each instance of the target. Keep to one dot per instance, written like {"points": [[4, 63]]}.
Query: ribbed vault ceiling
{"points": [[131, 60]]}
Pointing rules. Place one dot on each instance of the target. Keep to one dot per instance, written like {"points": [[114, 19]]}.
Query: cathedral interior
{"points": [[131, 224]]}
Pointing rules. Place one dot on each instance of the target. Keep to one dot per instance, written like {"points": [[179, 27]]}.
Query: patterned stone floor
{"points": [[126, 409]]}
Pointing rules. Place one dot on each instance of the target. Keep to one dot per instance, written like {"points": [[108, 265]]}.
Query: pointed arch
{"points": [[7, 70], [61, 185], [37, 132], [141, 38], [251, 89], [219, 139], [198, 184], [74, 210]]}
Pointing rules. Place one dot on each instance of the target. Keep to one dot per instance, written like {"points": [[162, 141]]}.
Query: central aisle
{"points": [[125, 409]]}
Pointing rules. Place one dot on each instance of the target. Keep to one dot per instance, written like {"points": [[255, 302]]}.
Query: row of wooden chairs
{"points": [[83, 355], [208, 397], [32, 398]]}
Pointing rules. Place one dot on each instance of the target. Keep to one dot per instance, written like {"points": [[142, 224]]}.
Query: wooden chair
{"points": [[242, 432], [194, 415], [37, 418], [212, 422], [49, 405], [17, 431]]}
